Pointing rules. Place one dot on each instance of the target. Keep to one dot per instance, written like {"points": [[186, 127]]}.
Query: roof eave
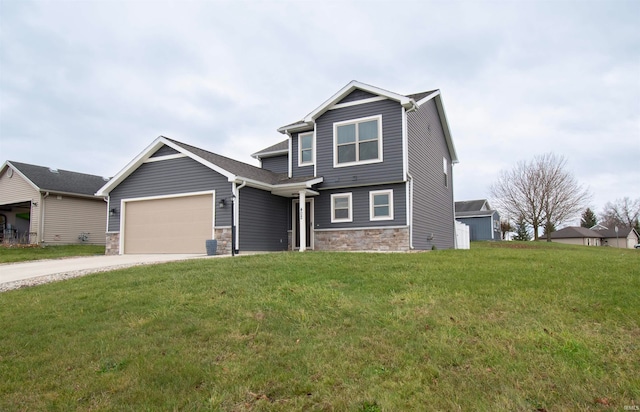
{"points": [[264, 155], [146, 154]]}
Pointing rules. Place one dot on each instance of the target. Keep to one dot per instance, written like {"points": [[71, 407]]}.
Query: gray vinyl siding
{"points": [[388, 171], [360, 203], [263, 221], [277, 164], [297, 171], [479, 228], [165, 151], [433, 218], [357, 95], [168, 177]]}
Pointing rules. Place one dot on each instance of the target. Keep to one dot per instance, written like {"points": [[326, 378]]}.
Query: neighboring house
{"points": [[627, 237], [372, 168], [483, 222], [50, 206], [576, 235]]}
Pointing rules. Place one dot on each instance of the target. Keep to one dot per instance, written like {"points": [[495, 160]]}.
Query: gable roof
{"points": [[570, 232], [277, 149], [623, 231], [233, 170], [409, 102], [472, 205], [46, 179]]}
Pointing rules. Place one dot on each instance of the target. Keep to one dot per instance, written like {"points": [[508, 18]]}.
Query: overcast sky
{"points": [[87, 85]]}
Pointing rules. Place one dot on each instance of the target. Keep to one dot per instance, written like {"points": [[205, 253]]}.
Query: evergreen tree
{"points": [[549, 228], [588, 219], [522, 232]]}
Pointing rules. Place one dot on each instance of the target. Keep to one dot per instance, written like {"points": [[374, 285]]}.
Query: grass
{"points": [[500, 327], [20, 253]]}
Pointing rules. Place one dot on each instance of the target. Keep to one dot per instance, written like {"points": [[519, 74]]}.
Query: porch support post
{"points": [[302, 204]]}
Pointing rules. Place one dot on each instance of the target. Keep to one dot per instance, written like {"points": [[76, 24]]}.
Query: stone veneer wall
{"points": [[379, 240], [223, 236], [224, 240], [112, 247]]}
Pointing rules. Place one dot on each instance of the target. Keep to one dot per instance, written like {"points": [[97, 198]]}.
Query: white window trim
{"points": [[333, 214], [357, 162], [372, 216], [313, 152]]}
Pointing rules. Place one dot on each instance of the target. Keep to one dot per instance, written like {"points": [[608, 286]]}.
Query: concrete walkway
{"points": [[14, 272]]}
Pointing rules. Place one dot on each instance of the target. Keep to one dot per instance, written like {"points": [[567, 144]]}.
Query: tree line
{"points": [[542, 194]]}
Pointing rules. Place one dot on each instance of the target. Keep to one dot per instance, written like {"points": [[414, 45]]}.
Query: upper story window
{"points": [[341, 208], [305, 149], [357, 141], [381, 205]]}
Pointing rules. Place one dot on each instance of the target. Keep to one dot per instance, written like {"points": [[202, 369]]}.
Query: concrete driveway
{"points": [[15, 275]]}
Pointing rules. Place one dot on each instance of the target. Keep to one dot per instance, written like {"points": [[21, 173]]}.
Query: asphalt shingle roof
{"points": [[623, 231], [421, 95], [470, 205], [575, 232], [240, 168], [278, 147], [63, 181]]}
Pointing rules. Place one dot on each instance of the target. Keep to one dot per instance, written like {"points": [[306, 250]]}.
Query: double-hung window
{"points": [[357, 141], [341, 208], [305, 149], [381, 205]]}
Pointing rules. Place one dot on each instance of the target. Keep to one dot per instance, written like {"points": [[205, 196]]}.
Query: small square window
{"points": [[341, 208], [381, 205]]}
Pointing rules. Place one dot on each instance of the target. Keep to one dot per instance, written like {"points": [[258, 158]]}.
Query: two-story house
{"points": [[368, 169]]}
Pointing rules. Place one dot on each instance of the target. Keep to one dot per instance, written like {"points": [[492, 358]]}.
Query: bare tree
{"points": [[622, 212], [541, 191]]}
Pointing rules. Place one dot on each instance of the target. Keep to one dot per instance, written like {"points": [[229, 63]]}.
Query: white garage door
{"points": [[168, 225]]}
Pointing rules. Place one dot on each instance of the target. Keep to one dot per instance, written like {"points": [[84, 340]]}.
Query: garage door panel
{"points": [[171, 225]]}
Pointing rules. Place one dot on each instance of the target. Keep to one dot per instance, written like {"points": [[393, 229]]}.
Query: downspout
{"points": [[289, 155], [410, 210], [41, 223], [235, 240]]}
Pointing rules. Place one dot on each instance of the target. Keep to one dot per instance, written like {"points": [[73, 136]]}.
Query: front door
{"points": [[295, 224]]}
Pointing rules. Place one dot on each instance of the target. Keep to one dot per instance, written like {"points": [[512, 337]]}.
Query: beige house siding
{"points": [[67, 217], [579, 241], [16, 189], [624, 242]]}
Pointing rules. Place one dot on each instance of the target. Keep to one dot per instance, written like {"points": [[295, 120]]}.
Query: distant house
{"points": [[483, 222], [50, 206], [627, 237], [576, 235], [368, 169], [597, 236]]}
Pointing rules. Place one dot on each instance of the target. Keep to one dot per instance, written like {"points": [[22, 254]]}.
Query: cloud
{"points": [[87, 85]]}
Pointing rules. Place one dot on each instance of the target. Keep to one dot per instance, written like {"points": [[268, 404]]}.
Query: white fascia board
{"points": [[146, 154], [130, 167], [437, 96], [16, 170], [405, 101], [296, 127], [278, 187], [264, 155]]}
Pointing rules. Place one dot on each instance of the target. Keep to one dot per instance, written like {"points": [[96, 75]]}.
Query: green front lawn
{"points": [[21, 253], [517, 327]]}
